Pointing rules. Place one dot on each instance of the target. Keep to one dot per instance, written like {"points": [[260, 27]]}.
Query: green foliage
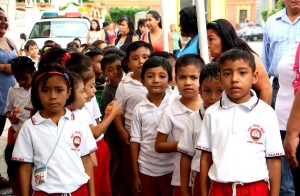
{"points": [[264, 14], [116, 12], [279, 6], [107, 19]]}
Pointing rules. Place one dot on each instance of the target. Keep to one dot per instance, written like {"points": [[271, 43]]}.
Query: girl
{"points": [[101, 171], [53, 147], [152, 171], [94, 33], [155, 34]]}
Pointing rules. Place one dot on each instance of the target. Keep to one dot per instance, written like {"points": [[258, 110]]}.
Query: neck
{"points": [[156, 30], [192, 103], [53, 116], [292, 14], [156, 99], [136, 77]]}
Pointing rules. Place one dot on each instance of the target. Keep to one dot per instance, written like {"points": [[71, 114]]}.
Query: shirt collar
{"points": [[178, 108], [128, 78], [38, 119], [250, 104], [166, 98], [283, 16]]}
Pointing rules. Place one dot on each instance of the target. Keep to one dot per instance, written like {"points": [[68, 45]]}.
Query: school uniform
{"points": [[37, 139], [93, 107], [240, 138], [155, 168], [173, 122], [187, 145]]}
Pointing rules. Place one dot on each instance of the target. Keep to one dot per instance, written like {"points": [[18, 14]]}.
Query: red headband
{"points": [[65, 75]]}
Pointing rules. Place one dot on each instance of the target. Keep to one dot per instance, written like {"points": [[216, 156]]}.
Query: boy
{"points": [[152, 171], [240, 142], [32, 51], [173, 120], [211, 91]]}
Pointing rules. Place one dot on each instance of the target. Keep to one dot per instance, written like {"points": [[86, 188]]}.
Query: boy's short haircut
{"points": [[157, 61], [164, 54], [189, 59], [29, 43], [210, 70], [238, 54], [98, 42], [79, 59], [113, 50], [22, 64], [93, 51], [108, 59], [77, 39], [85, 73]]}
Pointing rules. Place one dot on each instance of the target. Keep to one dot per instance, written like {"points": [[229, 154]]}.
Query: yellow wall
{"points": [[216, 9]]}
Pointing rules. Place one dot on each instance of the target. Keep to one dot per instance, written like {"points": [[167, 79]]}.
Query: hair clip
{"points": [[65, 58], [66, 76]]}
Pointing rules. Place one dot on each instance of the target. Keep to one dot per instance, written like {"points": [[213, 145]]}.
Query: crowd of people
{"points": [[118, 115]]}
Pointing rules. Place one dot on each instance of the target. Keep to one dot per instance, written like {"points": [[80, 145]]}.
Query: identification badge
{"points": [[40, 175]]}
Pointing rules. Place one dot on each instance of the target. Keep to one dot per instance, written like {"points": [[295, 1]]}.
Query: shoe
{"points": [[4, 183]]}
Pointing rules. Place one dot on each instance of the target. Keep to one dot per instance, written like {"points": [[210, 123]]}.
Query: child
{"points": [[173, 120], [32, 51], [18, 107], [152, 171], [101, 171], [53, 147], [211, 91], [129, 93], [239, 138]]}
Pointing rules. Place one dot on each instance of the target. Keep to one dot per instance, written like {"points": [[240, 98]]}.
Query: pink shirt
{"points": [[157, 45]]}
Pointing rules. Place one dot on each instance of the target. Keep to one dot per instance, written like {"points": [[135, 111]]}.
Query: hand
{"points": [[290, 145], [13, 119], [116, 108], [137, 185], [125, 138]]}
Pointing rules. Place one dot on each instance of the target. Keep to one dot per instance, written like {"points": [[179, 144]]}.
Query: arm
{"points": [[25, 172], [88, 37], [5, 68], [135, 38], [274, 167], [185, 170], [124, 137], [205, 164], [170, 38], [263, 84], [137, 183], [88, 166], [291, 140], [102, 35], [161, 144]]}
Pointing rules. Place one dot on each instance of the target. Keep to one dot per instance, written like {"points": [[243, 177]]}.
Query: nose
{"points": [[156, 78], [234, 77], [53, 95]]}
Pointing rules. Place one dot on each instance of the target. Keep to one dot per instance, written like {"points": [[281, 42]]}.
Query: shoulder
{"points": [[273, 18]]}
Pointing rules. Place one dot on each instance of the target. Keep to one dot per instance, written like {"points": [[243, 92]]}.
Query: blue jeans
{"points": [[287, 183]]}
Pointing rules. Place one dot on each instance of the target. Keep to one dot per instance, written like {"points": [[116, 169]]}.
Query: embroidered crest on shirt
{"points": [[76, 137], [255, 132]]}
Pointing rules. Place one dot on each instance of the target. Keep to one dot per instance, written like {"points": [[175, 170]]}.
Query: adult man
{"points": [[281, 31]]}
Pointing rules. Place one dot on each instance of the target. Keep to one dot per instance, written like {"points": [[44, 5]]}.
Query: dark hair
{"points": [[129, 23], [141, 22], [79, 59], [164, 54], [188, 20], [52, 55], [98, 42], [77, 39], [108, 59], [157, 61], [72, 44], [23, 36], [210, 70], [72, 50], [76, 79], [42, 76], [1, 9], [49, 44], [238, 54], [229, 38], [22, 64], [85, 73], [189, 59], [29, 43], [113, 50], [98, 25], [155, 15], [105, 24]]}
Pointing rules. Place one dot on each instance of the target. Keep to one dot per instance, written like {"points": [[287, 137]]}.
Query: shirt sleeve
{"points": [[120, 96], [266, 49], [186, 143], [165, 125], [96, 109], [136, 126], [9, 104], [89, 144], [204, 139]]}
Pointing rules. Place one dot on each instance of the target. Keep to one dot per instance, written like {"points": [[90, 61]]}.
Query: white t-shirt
{"points": [[20, 98], [145, 119], [87, 110], [285, 96], [129, 93], [240, 138], [37, 139], [189, 138], [173, 122]]}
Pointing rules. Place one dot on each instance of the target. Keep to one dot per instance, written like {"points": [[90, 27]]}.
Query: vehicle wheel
{"points": [[255, 38]]}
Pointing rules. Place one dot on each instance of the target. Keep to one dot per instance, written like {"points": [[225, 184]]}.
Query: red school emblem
{"points": [[76, 141], [255, 133]]}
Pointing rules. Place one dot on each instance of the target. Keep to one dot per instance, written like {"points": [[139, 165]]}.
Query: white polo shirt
{"points": [[173, 122], [189, 138], [20, 98], [129, 93], [90, 111], [145, 119], [93, 107], [36, 141], [240, 138]]}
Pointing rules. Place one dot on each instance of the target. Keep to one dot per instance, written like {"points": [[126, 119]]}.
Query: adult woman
{"points": [[142, 28], [7, 53], [189, 28], [112, 35], [221, 37], [155, 34], [177, 39], [95, 32], [126, 32]]}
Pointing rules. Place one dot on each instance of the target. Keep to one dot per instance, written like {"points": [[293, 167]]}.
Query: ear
{"points": [[255, 77], [143, 82]]}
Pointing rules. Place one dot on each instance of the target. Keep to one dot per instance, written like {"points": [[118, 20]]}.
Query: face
{"points": [[3, 23], [78, 43], [94, 25], [151, 22], [137, 59], [53, 96], [33, 51], [111, 27], [187, 80], [237, 79], [215, 45], [123, 27], [143, 28], [211, 91], [292, 5], [80, 96], [172, 27], [90, 89], [24, 80], [114, 73], [156, 80], [96, 64]]}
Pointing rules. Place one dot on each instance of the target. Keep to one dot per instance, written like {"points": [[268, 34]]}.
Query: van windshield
{"points": [[56, 29]]}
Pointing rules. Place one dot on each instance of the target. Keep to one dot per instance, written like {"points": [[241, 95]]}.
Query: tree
{"points": [[279, 6], [116, 12]]}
